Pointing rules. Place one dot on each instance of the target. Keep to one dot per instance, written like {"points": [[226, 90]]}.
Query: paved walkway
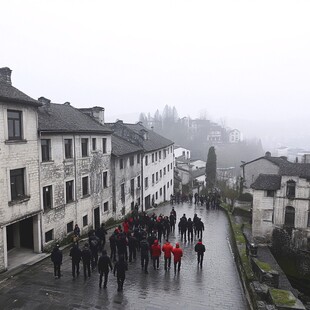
{"points": [[215, 286]]}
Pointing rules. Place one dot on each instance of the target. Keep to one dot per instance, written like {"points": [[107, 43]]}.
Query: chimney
{"points": [[5, 75], [67, 103], [267, 154], [44, 100]]}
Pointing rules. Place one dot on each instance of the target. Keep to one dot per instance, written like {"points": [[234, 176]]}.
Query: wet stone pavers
{"points": [[215, 286]]}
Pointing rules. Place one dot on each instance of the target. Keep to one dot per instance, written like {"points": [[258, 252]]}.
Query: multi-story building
{"points": [[157, 162], [126, 175], [282, 201], [20, 207], [75, 174]]}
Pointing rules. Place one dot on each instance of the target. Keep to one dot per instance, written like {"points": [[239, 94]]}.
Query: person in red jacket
{"points": [[156, 252], [126, 227], [177, 253], [167, 249]]}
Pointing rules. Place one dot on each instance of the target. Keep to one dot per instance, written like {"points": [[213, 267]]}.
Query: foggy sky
{"points": [[247, 62]]}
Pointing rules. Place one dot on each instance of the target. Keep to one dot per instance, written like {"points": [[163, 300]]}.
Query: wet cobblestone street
{"points": [[215, 286]]}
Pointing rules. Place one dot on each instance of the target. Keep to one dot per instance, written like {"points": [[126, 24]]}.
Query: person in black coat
{"points": [[120, 269], [132, 246], [200, 249], [104, 263], [200, 227], [144, 250], [86, 258], [190, 230], [76, 255], [56, 258], [94, 243]]}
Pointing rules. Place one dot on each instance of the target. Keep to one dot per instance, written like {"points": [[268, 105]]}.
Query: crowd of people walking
{"points": [[210, 201], [140, 233]]}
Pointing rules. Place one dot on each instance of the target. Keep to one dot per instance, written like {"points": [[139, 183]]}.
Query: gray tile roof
{"points": [[63, 118], [267, 182], [154, 141], [9, 93], [296, 169], [122, 147], [279, 161], [198, 172]]}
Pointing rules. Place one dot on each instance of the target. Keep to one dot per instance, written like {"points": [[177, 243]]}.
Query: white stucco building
{"points": [[20, 208]]}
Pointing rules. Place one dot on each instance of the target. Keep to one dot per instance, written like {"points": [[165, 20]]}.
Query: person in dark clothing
{"points": [[145, 250], [159, 227], [94, 243], [120, 269], [76, 255], [183, 227], [132, 246], [200, 249], [172, 221], [56, 258], [104, 263], [86, 258], [190, 229], [195, 219], [113, 246], [121, 243], [102, 233], [199, 228]]}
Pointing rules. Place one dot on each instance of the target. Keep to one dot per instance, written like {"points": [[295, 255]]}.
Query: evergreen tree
{"points": [[211, 168]]}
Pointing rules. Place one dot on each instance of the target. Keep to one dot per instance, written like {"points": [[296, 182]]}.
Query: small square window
{"points": [[85, 220], [106, 206], [49, 235], [69, 227]]}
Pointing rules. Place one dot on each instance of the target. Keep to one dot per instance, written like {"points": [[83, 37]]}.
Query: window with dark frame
{"points": [[46, 149], [15, 125], [156, 176], [146, 182], [138, 181], [138, 158], [70, 227], [152, 157], [104, 145], [17, 179], [106, 206], [153, 178], [289, 220], [131, 160], [105, 179], [156, 195], [164, 170], [270, 193], [121, 163], [68, 148], [84, 147], [47, 194], [160, 173], [159, 155], [94, 140], [69, 191], [156, 156], [49, 235], [123, 192], [85, 190], [85, 220], [290, 189], [160, 191], [132, 187], [146, 160]]}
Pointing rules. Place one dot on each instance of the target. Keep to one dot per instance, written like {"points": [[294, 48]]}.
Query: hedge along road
{"points": [[215, 286]]}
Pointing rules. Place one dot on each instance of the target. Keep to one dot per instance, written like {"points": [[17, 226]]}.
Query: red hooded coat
{"points": [[167, 249], [156, 251], [177, 253]]}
